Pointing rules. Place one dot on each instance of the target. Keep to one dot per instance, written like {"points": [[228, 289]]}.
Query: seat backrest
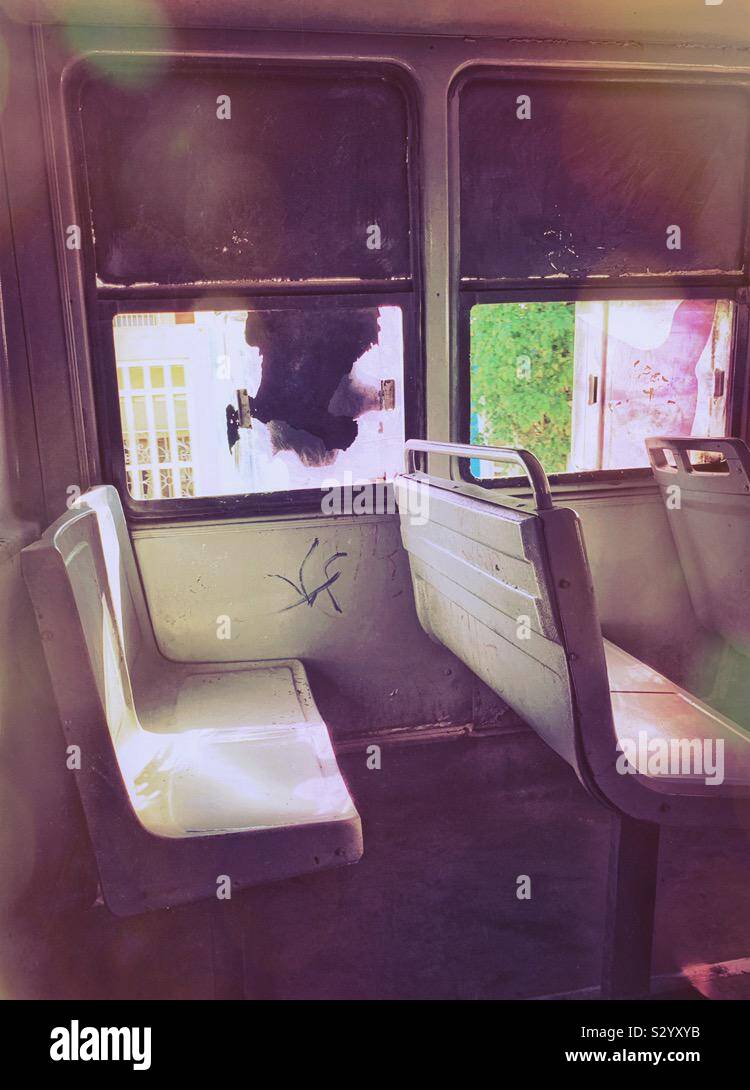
{"points": [[130, 612], [708, 509], [507, 587], [89, 602], [92, 618]]}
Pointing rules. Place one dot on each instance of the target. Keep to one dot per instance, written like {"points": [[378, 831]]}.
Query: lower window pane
{"points": [[581, 385], [219, 403]]}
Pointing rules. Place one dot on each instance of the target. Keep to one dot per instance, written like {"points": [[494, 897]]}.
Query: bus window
{"points": [[220, 402], [598, 180], [222, 182], [583, 384], [629, 192], [282, 364]]}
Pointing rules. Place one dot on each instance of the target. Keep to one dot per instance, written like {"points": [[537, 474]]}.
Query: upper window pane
{"points": [[245, 174], [591, 179]]}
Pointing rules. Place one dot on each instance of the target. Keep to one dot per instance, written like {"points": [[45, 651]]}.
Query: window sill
{"points": [[595, 483]]}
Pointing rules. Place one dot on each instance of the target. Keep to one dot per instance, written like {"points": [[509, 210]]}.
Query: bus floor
{"points": [[433, 909]]}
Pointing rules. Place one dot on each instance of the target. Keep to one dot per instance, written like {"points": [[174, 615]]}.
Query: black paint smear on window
{"points": [[285, 189], [233, 426], [307, 394]]}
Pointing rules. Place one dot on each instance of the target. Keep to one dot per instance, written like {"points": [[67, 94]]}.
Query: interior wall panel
{"points": [[235, 591]]}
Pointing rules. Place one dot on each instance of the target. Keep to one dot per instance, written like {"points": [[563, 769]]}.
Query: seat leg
{"points": [[631, 900], [227, 948]]}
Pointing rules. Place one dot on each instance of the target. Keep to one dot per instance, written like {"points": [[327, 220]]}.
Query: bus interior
{"points": [[374, 500]]}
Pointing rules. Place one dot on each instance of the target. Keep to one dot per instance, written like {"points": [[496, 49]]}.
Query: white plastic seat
{"points": [[247, 750], [190, 772]]}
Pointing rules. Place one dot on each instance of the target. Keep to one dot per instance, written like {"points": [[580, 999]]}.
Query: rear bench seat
{"points": [[507, 587], [189, 773]]}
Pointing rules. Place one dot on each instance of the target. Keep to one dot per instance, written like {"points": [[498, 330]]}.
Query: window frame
{"points": [[466, 292], [104, 302]]}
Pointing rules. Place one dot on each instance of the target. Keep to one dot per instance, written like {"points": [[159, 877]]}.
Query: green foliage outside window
{"points": [[522, 378]]}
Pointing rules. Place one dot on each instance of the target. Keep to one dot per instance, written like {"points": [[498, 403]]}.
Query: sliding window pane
{"points": [[209, 172], [601, 179]]}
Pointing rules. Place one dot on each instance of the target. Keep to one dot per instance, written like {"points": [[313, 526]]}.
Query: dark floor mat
{"points": [[453, 832]]}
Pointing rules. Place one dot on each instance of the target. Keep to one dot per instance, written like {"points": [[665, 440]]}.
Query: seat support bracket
{"points": [[631, 901]]}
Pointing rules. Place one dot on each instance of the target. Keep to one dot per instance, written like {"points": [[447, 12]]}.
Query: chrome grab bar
{"points": [[531, 465]]}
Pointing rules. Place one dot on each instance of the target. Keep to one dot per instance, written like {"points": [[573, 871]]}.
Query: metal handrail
{"points": [[531, 465]]}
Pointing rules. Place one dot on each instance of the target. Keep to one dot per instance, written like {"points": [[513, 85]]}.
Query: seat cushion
{"points": [[236, 750], [674, 740]]}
